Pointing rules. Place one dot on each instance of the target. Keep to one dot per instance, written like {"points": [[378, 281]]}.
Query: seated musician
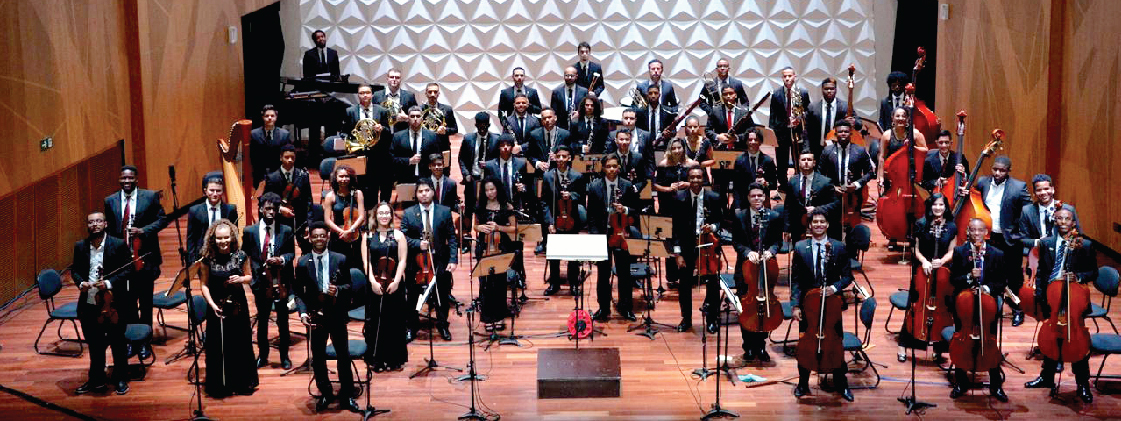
{"points": [[753, 167], [559, 183], [293, 185], [810, 190], [936, 235], [757, 234], [96, 258], [988, 272], [520, 123], [613, 194], [322, 286], [449, 127], [848, 164], [201, 216], [1059, 256], [265, 143], [695, 211], [1037, 220], [810, 270], [495, 225], [271, 248], [428, 227], [941, 164]]}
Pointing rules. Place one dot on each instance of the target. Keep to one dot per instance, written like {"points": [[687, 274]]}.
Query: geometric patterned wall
{"points": [[471, 46]]}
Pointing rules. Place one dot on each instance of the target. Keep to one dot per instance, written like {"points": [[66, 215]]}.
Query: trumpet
{"points": [[363, 136], [432, 118], [637, 100]]}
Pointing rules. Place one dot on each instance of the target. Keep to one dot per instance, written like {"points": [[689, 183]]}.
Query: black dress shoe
{"points": [[801, 390], [629, 315], [122, 387], [129, 350], [999, 394], [763, 356], [1040, 383], [145, 352], [1084, 393], [685, 325], [847, 394], [262, 362], [601, 315], [956, 392], [445, 333], [285, 363], [711, 327], [1017, 318], [1059, 367], [86, 388], [539, 249], [409, 335], [322, 402], [552, 289], [350, 404], [749, 355]]}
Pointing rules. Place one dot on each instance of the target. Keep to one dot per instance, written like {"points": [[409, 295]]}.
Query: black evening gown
{"points": [[926, 247], [231, 366], [385, 314], [492, 288]]}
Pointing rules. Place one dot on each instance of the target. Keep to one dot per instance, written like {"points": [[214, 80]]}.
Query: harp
{"points": [[237, 172]]}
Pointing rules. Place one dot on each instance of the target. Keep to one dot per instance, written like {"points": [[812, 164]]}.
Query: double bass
{"points": [[821, 348], [971, 206], [1064, 336], [924, 120], [856, 137], [762, 311], [903, 197], [974, 347], [928, 314], [948, 188]]}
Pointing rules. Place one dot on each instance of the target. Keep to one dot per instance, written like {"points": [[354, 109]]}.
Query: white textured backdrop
{"points": [[471, 46]]}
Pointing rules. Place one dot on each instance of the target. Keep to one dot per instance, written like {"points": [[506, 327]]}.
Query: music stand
{"points": [[406, 192], [577, 248], [182, 280], [657, 228], [647, 192], [529, 233], [592, 162], [647, 249], [725, 160], [494, 265], [728, 304], [357, 162], [431, 364]]}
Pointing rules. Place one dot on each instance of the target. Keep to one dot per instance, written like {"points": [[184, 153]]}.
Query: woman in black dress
{"points": [[698, 146], [231, 367], [494, 221], [343, 195], [895, 139], [385, 311], [670, 176], [935, 230]]}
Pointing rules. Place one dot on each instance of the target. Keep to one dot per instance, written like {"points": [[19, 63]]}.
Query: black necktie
{"points": [[319, 271], [213, 215], [506, 177], [841, 166], [268, 135], [819, 270], [828, 123]]}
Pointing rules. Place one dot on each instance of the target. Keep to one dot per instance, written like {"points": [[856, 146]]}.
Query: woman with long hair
{"points": [[935, 231], [225, 275], [896, 139], [670, 175], [494, 224], [345, 198], [589, 130], [386, 309]]}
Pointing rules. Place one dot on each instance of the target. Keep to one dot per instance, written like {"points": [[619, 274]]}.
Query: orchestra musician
{"points": [[941, 164], [320, 59], [809, 270], [641, 140], [567, 98], [698, 144], [322, 288], [428, 226], [896, 81], [544, 140], [757, 242], [589, 130], [378, 180], [495, 223], [95, 258], [474, 151], [558, 183], [444, 188], [896, 139], [201, 216], [412, 147], [848, 163], [344, 212], [936, 230], [271, 249], [394, 97], [507, 97], [1037, 220], [449, 127], [385, 311], [265, 143], [295, 209], [655, 117], [610, 195], [633, 165], [784, 127], [822, 115], [722, 119], [754, 166], [696, 210], [521, 123], [713, 91], [991, 277], [230, 366], [666, 96], [670, 177], [810, 190], [1058, 255], [136, 214], [510, 170], [588, 70]]}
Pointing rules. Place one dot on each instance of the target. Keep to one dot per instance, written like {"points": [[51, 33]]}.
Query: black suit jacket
{"points": [[1082, 262], [377, 113], [506, 102], [685, 219], [265, 155], [745, 238], [115, 255], [313, 65], [597, 207], [550, 190], [584, 76], [444, 242], [494, 170], [149, 217], [1015, 197], [642, 168], [886, 107], [511, 125], [450, 126], [469, 148], [860, 163], [994, 273], [403, 150], [1029, 229], [746, 172], [450, 197], [780, 119], [284, 245], [932, 168], [558, 104], [640, 142], [301, 206], [669, 98], [838, 269], [539, 151], [581, 133], [307, 290], [198, 221], [822, 196], [408, 100], [712, 94], [814, 119], [642, 121], [718, 121]]}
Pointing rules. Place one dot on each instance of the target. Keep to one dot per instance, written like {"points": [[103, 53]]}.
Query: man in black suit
{"points": [[654, 118], [412, 147], [449, 126], [137, 213], [398, 100], [1037, 220], [632, 165], [589, 131], [1060, 255], [608, 196], [810, 269], [436, 220], [544, 140], [201, 216], [822, 115], [321, 59], [780, 122], [713, 91], [321, 274], [443, 187], [666, 97], [640, 139], [808, 191], [723, 118], [507, 96], [296, 210], [558, 183], [510, 170], [896, 81], [567, 98], [941, 164], [271, 248], [754, 166], [849, 164], [979, 264], [473, 153], [695, 210], [101, 262], [265, 144], [378, 180], [1005, 197], [757, 234], [588, 70], [521, 123]]}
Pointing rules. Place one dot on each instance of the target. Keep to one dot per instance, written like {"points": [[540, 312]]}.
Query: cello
{"points": [[762, 311], [856, 137], [1027, 292], [1064, 336], [928, 314], [976, 204], [820, 348], [974, 347]]}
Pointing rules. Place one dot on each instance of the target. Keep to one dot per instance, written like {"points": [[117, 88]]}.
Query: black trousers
{"points": [[98, 336], [1013, 263], [335, 327], [137, 308], [266, 307], [622, 262], [996, 378], [1081, 369], [379, 184], [686, 280], [783, 154], [840, 378], [444, 287], [753, 341]]}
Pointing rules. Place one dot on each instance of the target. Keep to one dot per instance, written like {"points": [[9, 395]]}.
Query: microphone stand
{"points": [[472, 375], [191, 348]]}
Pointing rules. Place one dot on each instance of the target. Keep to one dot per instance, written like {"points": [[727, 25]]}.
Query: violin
{"points": [[856, 137], [851, 202], [762, 311], [350, 214], [928, 314], [821, 348], [106, 313], [134, 244], [275, 290], [425, 266], [973, 205], [617, 224], [384, 270], [291, 192], [974, 346], [493, 243], [324, 299], [1064, 336], [566, 218]]}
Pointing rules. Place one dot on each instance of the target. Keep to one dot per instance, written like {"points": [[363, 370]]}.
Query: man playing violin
{"points": [[95, 257], [271, 248], [695, 211], [978, 264], [607, 197], [435, 220], [757, 236]]}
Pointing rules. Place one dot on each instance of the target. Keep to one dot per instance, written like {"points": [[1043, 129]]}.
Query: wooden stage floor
{"points": [[656, 374]]}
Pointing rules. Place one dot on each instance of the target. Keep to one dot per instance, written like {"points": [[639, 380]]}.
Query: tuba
{"points": [[432, 118], [362, 137]]}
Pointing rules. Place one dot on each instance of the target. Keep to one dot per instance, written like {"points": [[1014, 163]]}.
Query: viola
{"points": [[350, 214], [928, 314], [134, 244], [1064, 336], [855, 137], [851, 202], [617, 223], [425, 266], [291, 192], [821, 347], [566, 218], [973, 205], [974, 347], [384, 270], [493, 243], [708, 258], [106, 312]]}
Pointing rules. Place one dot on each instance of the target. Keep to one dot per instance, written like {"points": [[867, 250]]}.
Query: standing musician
{"points": [[265, 143], [757, 234], [588, 71], [896, 81], [666, 97], [510, 171], [633, 165], [671, 176], [810, 269], [385, 311], [474, 151], [344, 212], [95, 257], [754, 167], [991, 277], [781, 112], [722, 119], [429, 229], [520, 123], [495, 225], [378, 180], [544, 140], [935, 231], [507, 98], [1059, 255], [941, 164], [641, 140], [230, 368], [696, 211], [137, 216], [1037, 220], [847, 163], [714, 91], [322, 287], [271, 249], [896, 139], [444, 188], [396, 100], [697, 143], [293, 186], [822, 115], [1005, 197], [808, 191], [449, 127], [559, 183], [655, 117], [589, 130], [201, 216], [412, 147], [608, 196], [567, 98]]}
